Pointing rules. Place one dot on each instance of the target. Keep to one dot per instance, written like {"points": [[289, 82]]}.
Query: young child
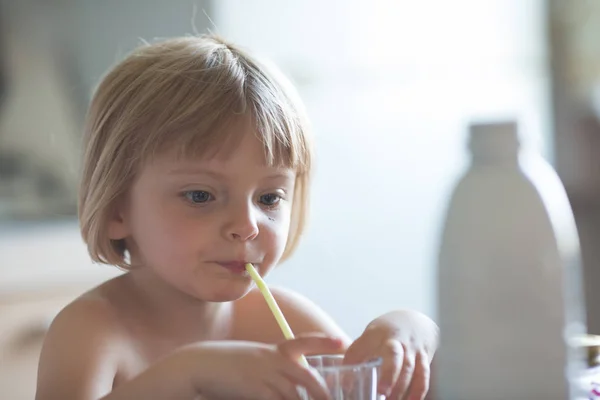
{"points": [[198, 160]]}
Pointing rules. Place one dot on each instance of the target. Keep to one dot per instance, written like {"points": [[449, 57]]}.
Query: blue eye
{"points": [[198, 196], [270, 199]]}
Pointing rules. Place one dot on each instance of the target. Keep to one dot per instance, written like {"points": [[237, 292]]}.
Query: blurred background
{"points": [[390, 86]]}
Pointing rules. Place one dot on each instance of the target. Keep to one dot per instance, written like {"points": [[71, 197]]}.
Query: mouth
{"points": [[235, 267]]}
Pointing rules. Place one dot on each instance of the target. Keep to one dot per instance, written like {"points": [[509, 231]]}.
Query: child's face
{"points": [[195, 223]]}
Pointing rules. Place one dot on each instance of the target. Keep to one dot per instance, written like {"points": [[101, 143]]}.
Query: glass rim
{"points": [[374, 363]]}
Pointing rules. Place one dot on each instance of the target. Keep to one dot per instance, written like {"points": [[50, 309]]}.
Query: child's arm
{"points": [[232, 370], [81, 356]]}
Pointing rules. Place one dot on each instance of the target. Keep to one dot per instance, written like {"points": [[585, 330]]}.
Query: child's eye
{"points": [[270, 200], [197, 196]]}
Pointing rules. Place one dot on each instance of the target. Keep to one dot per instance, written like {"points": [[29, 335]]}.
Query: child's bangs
{"points": [[283, 135], [216, 129], [193, 105]]}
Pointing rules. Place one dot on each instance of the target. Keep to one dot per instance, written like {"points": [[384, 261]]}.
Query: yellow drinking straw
{"points": [[264, 289]]}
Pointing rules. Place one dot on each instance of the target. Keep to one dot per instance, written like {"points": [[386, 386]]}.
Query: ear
{"points": [[118, 225]]}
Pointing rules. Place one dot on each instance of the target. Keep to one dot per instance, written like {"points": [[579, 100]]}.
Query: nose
{"points": [[241, 223]]}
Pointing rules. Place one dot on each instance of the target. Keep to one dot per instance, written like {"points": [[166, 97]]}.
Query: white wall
{"points": [[107, 30], [390, 86]]}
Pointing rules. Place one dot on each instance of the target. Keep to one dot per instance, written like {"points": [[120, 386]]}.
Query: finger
{"points": [[284, 388], [419, 385], [358, 351], [308, 345], [393, 355], [404, 379], [308, 379], [269, 393]]}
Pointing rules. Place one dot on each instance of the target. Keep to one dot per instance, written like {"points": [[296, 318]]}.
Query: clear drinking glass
{"points": [[347, 382]]}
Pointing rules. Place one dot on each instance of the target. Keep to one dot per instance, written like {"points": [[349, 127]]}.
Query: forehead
{"points": [[244, 157]]}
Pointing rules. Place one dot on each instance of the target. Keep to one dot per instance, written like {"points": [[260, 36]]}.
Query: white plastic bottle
{"points": [[509, 277]]}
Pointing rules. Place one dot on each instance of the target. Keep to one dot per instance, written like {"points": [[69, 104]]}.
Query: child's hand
{"points": [[406, 341], [254, 371]]}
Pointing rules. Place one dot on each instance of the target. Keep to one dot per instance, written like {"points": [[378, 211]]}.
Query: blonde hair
{"points": [[181, 93]]}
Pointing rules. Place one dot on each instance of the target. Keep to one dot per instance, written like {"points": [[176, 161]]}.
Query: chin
{"points": [[228, 293]]}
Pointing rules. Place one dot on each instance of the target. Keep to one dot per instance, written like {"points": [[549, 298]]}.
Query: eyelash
{"points": [[188, 194]]}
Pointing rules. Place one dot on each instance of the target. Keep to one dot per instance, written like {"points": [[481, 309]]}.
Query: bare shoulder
{"points": [[303, 315], [79, 356]]}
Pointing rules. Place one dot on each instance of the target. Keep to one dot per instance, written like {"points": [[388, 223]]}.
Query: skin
{"points": [[183, 322]]}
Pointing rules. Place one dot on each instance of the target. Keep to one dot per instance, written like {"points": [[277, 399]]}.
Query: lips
{"points": [[237, 267]]}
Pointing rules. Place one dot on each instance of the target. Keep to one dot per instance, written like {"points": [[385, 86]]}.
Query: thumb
{"points": [[311, 345]]}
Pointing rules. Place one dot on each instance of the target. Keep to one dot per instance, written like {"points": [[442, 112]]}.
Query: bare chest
{"points": [[140, 353]]}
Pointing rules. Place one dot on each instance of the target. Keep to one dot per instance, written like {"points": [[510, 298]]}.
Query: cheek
{"points": [[160, 233], [276, 233]]}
